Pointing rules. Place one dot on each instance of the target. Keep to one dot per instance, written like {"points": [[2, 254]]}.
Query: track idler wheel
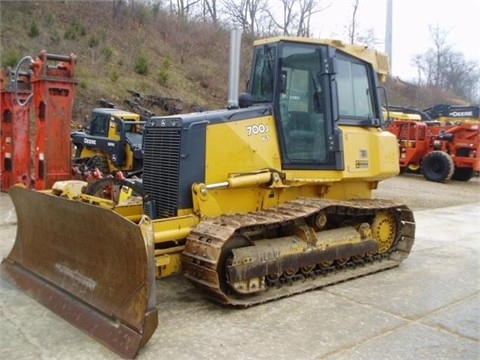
{"points": [[226, 258], [384, 230]]}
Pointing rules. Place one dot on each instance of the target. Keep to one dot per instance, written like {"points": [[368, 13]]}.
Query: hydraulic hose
{"points": [[15, 82]]}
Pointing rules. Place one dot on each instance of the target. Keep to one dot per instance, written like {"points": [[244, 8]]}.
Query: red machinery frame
{"points": [[53, 95], [15, 155], [53, 85]]}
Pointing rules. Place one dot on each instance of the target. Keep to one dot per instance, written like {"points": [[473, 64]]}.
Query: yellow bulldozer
{"points": [[265, 199]]}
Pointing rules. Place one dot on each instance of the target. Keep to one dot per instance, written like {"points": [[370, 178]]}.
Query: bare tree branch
{"points": [[296, 16], [442, 67], [246, 13]]}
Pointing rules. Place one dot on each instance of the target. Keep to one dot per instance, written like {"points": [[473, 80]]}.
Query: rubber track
{"points": [[205, 242]]}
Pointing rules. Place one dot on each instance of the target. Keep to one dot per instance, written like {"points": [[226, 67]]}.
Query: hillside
{"points": [[129, 47], [123, 46]]}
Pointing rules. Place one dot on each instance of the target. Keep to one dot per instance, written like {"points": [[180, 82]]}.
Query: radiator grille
{"points": [[161, 169]]}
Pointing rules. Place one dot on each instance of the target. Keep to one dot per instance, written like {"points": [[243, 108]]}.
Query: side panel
{"points": [[370, 153], [241, 146]]}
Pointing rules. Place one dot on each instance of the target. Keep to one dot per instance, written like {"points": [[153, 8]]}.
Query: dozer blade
{"points": [[87, 264]]}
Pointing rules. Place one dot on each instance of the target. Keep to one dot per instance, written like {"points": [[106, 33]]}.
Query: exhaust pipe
{"points": [[234, 71]]}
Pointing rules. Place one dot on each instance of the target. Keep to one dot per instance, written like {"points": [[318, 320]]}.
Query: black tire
{"points": [[438, 166], [462, 174]]}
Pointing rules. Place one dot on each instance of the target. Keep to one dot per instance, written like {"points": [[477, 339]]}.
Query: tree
{"points": [[210, 8], [289, 16], [246, 13], [443, 67], [307, 9], [183, 8], [296, 16], [118, 5], [353, 29]]}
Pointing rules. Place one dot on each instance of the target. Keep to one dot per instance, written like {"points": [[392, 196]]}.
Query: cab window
{"points": [[352, 83], [99, 125], [261, 86]]}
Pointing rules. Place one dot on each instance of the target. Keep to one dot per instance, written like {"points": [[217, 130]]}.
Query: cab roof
{"points": [[378, 59]]}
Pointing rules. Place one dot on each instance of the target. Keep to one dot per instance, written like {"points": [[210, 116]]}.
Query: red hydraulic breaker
{"points": [[15, 155], [53, 94]]}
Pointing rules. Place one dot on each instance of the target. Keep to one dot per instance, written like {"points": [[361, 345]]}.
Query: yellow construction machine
{"points": [[265, 199], [111, 142]]}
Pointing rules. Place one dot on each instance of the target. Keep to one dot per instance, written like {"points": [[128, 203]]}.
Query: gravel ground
{"points": [[419, 194]]}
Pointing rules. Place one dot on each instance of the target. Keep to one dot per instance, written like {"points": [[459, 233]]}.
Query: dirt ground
{"points": [[419, 194]]}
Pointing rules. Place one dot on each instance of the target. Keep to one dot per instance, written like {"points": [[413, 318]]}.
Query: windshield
{"points": [[262, 84]]}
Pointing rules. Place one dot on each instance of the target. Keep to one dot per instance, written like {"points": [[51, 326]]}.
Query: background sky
{"points": [[411, 21]]}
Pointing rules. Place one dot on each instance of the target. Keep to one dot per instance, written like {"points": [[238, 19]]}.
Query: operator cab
{"points": [[302, 79], [116, 125]]}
